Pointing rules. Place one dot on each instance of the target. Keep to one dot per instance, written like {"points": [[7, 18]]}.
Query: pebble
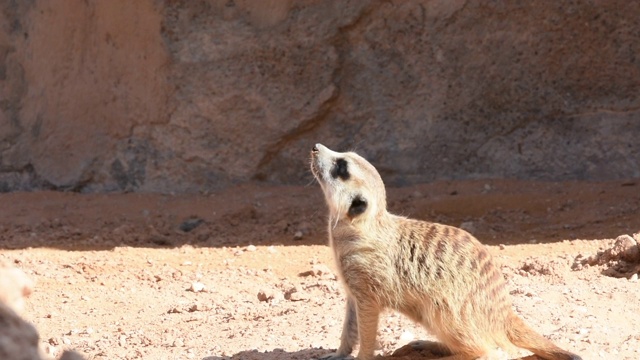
{"points": [[407, 336], [295, 294], [49, 350], [195, 307], [191, 224], [178, 342], [634, 278], [197, 287], [265, 295], [298, 235], [251, 248], [468, 226], [319, 270]]}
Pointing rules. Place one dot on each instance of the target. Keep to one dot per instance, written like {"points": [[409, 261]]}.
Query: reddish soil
{"points": [[119, 276]]}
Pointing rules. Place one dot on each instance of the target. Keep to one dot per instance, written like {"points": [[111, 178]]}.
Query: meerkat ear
{"points": [[358, 206]]}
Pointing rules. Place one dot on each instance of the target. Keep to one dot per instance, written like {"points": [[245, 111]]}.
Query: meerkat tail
{"points": [[521, 335]]}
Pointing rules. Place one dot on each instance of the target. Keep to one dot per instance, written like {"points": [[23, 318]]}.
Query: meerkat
{"points": [[439, 276]]}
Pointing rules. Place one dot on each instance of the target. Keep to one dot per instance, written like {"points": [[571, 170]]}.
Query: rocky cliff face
{"points": [[197, 95]]}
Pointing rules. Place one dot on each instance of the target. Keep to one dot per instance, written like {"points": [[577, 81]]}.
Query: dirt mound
{"points": [[620, 260]]}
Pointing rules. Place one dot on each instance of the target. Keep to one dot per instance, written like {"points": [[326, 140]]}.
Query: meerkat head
{"points": [[352, 187]]}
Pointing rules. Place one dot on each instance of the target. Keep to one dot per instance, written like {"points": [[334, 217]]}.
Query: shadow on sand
{"points": [[403, 353]]}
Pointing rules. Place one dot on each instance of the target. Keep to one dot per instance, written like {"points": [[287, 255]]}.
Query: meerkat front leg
{"points": [[349, 336], [368, 315]]}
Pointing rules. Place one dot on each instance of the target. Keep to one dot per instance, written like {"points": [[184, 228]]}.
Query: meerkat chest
{"points": [[362, 266]]}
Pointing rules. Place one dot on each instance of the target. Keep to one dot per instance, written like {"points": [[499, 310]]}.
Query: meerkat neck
{"points": [[383, 218]]}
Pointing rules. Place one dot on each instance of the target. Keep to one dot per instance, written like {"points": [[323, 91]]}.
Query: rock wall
{"points": [[195, 95]]}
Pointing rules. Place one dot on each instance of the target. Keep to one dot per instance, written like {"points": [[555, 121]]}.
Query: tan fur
{"points": [[439, 276]]}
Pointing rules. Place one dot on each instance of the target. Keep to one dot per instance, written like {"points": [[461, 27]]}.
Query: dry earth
{"points": [[246, 274]]}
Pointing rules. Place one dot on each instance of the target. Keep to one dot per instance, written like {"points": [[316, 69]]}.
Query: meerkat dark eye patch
{"points": [[340, 169], [358, 206]]}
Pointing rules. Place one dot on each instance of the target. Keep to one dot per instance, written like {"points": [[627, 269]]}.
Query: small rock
{"points": [[322, 270], [502, 246], [468, 226], [174, 310], [197, 287], [295, 294], [634, 278], [178, 342], [66, 341], [265, 295], [582, 331], [49, 350], [251, 248], [298, 296], [627, 247], [407, 336], [319, 270], [298, 235], [122, 340], [190, 224]]}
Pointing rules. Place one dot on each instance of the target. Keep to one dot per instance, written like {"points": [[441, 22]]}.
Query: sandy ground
{"points": [[246, 273]]}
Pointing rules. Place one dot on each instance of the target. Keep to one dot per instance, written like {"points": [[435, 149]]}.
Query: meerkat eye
{"points": [[358, 206], [340, 170]]}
